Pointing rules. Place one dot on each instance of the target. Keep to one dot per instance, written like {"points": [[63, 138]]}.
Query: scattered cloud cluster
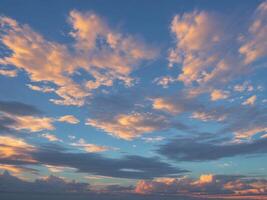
{"points": [[206, 185], [105, 54]]}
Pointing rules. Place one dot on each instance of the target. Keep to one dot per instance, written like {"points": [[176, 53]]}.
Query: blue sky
{"points": [[137, 94]]}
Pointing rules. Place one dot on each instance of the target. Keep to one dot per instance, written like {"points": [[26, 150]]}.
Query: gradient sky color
{"points": [[134, 97]]}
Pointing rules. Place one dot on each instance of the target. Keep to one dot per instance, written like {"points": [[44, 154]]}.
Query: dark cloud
{"points": [[18, 108], [55, 188], [184, 149], [51, 184], [133, 167]]}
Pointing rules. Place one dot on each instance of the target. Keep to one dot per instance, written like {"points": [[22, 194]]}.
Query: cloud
{"points": [[197, 35], [132, 167], [9, 73], [105, 54], [32, 124], [219, 94], [164, 81], [50, 137], [254, 43], [43, 89], [250, 101], [165, 105], [192, 150], [244, 87], [51, 184], [203, 116], [91, 148], [15, 149], [175, 104], [68, 119], [18, 108], [206, 185], [202, 42], [16, 116], [153, 139], [130, 126], [249, 133]]}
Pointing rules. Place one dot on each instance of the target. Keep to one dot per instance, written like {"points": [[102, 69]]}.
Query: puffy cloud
{"points": [[69, 119], [105, 54], [32, 124], [168, 105], [244, 87], [48, 185], [18, 116], [254, 44], [50, 137], [205, 185], [164, 81], [197, 35], [41, 89], [9, 73], [203, 40], [130, 126], [250, 101], [92, 147], [219, 94], [42, 60], [15, 149]]}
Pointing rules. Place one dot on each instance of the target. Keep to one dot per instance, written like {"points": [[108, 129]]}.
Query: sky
{"points": [[133, 99]]}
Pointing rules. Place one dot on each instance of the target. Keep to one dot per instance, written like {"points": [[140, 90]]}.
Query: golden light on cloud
{"points": [[15, 149]]}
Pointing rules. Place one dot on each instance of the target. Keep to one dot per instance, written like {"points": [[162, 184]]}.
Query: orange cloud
{"points": [[254, 44], [45, 61], [129, 126], [15, 148], [69, 119], [92, 148], [219, 94], [207, 184], [32, 124], [250, 101], [50, 137]]}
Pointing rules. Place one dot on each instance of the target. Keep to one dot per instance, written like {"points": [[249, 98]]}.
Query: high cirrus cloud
{"points": [[107, 55]]}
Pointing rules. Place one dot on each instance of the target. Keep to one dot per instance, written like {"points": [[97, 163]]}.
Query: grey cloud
{"points": [[133, 167], [18, 108], [194, 150]]}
